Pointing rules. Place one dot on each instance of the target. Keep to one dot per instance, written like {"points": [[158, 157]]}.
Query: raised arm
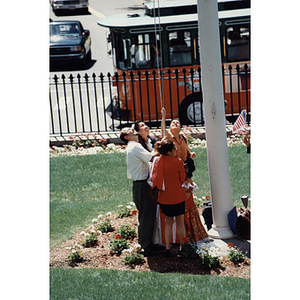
{"points": [[163, 128]]}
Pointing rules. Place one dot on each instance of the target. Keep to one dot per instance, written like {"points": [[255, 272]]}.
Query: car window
{"points": [[65, 29]]}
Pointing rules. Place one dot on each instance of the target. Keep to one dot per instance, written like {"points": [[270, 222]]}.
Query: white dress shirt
{"points": [[137, 161]]}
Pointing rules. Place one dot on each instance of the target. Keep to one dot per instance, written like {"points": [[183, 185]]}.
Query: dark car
{"points": [[69, 42]]}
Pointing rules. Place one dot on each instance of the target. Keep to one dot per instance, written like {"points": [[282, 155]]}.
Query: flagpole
{"points": [[214, 112]]}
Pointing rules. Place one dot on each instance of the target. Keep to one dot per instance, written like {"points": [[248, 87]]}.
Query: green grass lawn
{"points": [[82, 187], [98, 284]]}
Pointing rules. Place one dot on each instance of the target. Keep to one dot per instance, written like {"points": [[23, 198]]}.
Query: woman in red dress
{"points": [[195, 231], [167, 176]]}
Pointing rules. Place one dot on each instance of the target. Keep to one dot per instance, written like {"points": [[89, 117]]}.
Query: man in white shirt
{"points": [[143, 196]]}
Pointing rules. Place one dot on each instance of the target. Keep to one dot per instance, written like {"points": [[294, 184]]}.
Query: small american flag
{"points": [[240, 122]]}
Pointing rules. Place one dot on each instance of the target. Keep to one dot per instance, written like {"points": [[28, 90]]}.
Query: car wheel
{"points": [[89, 56], [86, 60]]}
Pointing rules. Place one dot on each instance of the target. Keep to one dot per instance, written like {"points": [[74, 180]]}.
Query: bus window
{"points": [[238, 45], [180, 48], [145, 51], [140, 51], [120, 51]]}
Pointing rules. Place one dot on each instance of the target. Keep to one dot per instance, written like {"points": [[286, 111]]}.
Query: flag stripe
{"points": [[240, 122]]}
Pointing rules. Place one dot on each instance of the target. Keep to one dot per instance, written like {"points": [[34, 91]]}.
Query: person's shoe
{"points": [[157, 247], [168, 253], [149, 253]]}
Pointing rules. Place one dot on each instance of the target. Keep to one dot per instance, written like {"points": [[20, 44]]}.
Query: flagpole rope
{"points": [[159, 68]]}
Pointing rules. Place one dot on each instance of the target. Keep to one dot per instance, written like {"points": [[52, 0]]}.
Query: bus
{"points": [[156, 60]]}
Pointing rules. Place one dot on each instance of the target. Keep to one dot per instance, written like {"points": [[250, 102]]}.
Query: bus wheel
{"points": [[191, 110]]}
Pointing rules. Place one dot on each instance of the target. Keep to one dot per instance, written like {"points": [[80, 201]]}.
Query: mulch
{"points": [[100, 257]]}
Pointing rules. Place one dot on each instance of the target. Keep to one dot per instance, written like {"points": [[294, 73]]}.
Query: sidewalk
{"points": [[244, 245]]}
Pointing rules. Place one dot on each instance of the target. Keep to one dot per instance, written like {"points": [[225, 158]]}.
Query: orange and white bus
{"points": [[156, 60]]}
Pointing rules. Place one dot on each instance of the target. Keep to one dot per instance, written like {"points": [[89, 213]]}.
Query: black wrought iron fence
{"points": [[101, 103]]}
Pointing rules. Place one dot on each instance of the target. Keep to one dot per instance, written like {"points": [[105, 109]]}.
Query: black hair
{"points": [[164, 146], [122, 137], [136, 126]]}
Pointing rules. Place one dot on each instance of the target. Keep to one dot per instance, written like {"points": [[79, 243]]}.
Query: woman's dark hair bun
{"points": [[164, 146]]}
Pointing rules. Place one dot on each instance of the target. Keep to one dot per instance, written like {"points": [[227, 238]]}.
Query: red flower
{"points": [[134, 212], [230, 245], [118, 236], [207, 198]]}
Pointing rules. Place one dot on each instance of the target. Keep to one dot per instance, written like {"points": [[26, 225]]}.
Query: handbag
{"points": [[189, 164], [189, 167], [243, 224]]}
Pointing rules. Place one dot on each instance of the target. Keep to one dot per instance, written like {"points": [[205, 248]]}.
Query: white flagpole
{"points": [[216, 138]]}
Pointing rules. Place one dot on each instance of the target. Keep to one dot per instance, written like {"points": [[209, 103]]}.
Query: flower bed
{"points": [[85, 144], [118, 248]]}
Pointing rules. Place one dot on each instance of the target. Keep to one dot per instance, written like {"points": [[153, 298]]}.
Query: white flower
{"points": [[99, 232], [111, 146], [132, 203], [128, 206], [92, 231], [214, 252], [68, 248], [119, 206], [73, 251], [94, 220], [100, 216], [108, 213], [137, 247], [87, 234], [82, 233], [126, 251], [201, 252]]}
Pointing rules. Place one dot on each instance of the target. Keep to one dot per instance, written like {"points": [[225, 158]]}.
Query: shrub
{"points": [[205, 257], [118, 245], [127, 232], [105, 226], [75, 257], [208, 262], [90, 240], [124, 211], [208, 257], [134, 259], [189, 251], [236, 255], [87, 140]]}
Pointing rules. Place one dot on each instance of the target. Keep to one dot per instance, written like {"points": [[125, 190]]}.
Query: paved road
{"points": [[98, 9], [100, 63]]}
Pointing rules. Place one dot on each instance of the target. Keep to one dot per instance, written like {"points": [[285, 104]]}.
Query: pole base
{"points": [[220, 232]]}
